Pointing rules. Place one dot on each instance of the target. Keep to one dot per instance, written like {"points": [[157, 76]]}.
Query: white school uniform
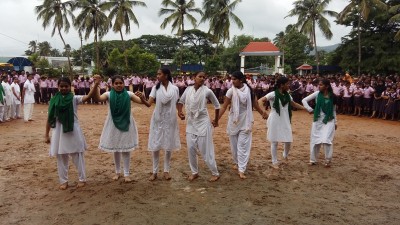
{"points": [[16, 106], [68, 144], [164, 130], [321, 133], [279, 128], [29, 99], [240, 123], [8, 100], [114, 140], [198, 126]]}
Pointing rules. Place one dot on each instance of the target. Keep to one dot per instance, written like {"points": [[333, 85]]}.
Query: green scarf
{"points": [[1, 93], [326, 105], [284, 99], [61, 108], [120, 106]]}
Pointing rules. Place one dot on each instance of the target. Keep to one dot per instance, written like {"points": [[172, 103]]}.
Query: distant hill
{"points": [[327, 49]]}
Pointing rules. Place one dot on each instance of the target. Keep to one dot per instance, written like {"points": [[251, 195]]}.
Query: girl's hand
{"points": [[47, 139], [335, 126], [181, 115], [139, 94], [214, 123], [265, 115]]}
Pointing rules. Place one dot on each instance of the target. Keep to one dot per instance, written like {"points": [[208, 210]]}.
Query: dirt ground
{"points": [[361, 187]]}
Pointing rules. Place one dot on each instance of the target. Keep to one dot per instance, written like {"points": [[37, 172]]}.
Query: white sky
{"points": [[261, 18]]}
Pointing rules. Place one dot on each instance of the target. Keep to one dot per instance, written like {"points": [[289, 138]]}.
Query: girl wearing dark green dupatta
{"points": [[120, 135], [279, 127], [67, 137], [324, 125]]}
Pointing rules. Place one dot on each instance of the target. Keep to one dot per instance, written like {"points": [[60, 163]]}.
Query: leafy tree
{"points": [[56, 12], [199, 42], [189, 57], [180, 9], [310, 13], [219, 13], [164, 47], [295, 47], [92, 19], [121, 12], [363, 9], [395, 19]]}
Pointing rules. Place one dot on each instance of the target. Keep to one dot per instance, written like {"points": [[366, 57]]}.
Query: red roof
{"points": [[260, 47], [304, 67]]}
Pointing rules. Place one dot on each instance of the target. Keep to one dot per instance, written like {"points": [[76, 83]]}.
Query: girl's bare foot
{"points": [[213, 178], [193, 177], [127, 179], [242, 176], [153, 177], [167, 176], [235, 167], [117, 176], [80, 184], [63, 186], [275, 166]]}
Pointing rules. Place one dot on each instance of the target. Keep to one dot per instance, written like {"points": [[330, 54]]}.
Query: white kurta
{"points": [[279, 128], [164, 130], [8, 95], [17, 91], [233, 128], [70, 142], [114, 140], [29, 94], [199, 124], [321, 133]]}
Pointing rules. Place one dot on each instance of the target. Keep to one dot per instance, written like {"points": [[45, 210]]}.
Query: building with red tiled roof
{"points": [[261, 49]]}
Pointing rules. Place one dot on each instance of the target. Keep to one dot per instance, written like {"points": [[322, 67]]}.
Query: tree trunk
{"points": [[183, 29], [97, 50], [82, 67], [316, 49], [359, 44], [65, 48], [124, 47]]}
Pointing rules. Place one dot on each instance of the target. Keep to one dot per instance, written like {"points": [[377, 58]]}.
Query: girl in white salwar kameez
{"points": [[279, 128], [164, 130], [324, 125], [67, 137], [240, 121], [120, 135], [199, 131]]}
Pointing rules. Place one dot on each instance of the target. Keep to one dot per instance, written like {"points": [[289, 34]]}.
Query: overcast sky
{"points": [[261, 18]]}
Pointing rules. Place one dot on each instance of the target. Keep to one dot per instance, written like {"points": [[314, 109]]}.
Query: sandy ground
{"points": [[362, 186]]}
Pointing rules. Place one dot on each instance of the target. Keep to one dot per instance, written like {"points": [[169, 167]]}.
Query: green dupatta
{"points": [[120, 107], [284, 99], [61, 108], [326, 105]]}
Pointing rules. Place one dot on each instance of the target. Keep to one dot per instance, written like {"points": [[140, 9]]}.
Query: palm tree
{"points": [[44, 48], [121, 12], [310, 14], [33, 46], [364, 8], [396, 18], [56, 12], [92, 19], [279, 41], [180, 9], [219, 13]]}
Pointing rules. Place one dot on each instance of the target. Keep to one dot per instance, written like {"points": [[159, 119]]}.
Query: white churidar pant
{"points": [[62, 164]]}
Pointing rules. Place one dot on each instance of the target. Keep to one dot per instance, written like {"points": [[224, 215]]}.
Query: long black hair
{"points": [[167, 72], [115, 77], [327, 84], [64, 79], [240, 76], [281, 80]]}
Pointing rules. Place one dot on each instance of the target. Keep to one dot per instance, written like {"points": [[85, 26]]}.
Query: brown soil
{"points": [[361, 187]]}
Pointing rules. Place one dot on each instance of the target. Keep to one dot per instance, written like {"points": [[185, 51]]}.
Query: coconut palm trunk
{"points": [[97, 50], [359, 44], [183, 28], [124, 48], [65, 47], [316, 48]]}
